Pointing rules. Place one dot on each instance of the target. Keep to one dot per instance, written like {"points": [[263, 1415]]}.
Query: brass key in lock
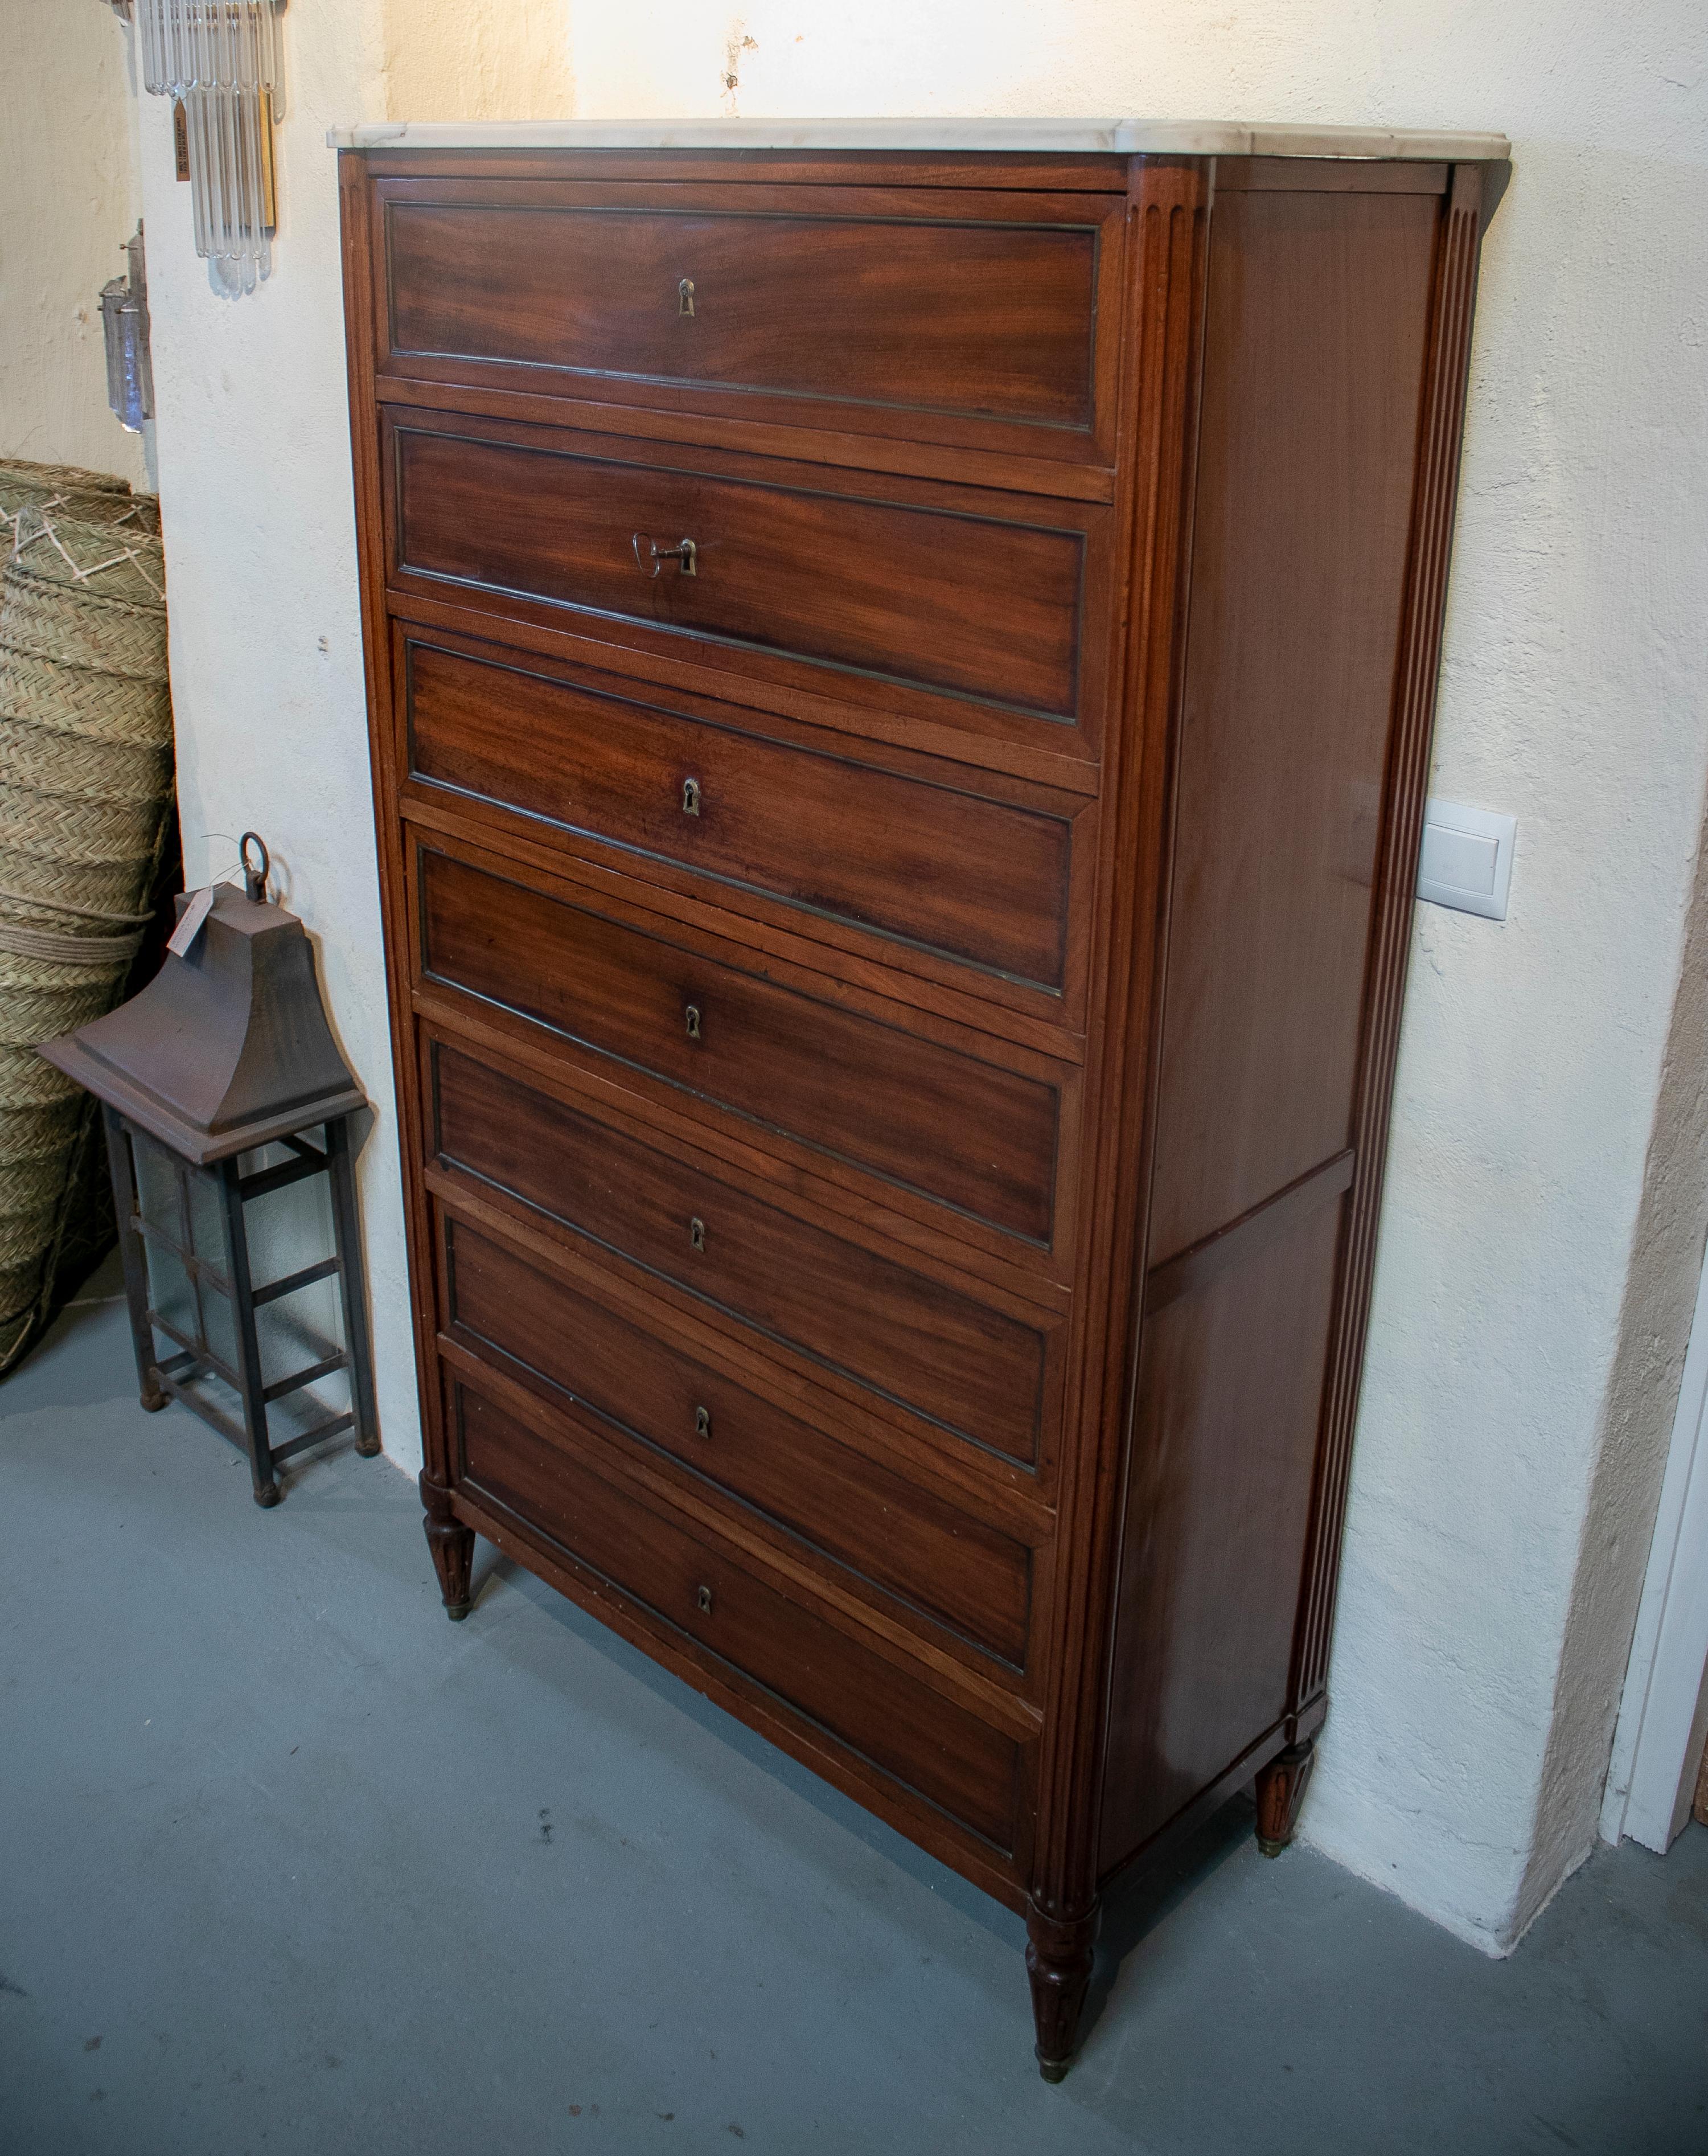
{"points": [[653, 557]]}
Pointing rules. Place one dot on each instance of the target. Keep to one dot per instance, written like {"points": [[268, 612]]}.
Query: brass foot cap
{"points": [[270, 1497], [1271, 1848], [1052, 2070], [457, 1611]]}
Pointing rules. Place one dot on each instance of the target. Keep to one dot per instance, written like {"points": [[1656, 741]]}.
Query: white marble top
{"points": [[1179, 138]]}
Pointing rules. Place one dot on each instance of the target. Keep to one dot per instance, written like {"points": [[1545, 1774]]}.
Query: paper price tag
{"points": [[190, 921]]}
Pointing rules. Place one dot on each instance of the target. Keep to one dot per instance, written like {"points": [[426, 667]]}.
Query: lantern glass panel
{"points": [[182, 1206], [289, 1230]]}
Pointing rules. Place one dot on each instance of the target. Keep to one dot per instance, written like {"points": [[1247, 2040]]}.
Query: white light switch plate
{"points": [[1466, 860]]}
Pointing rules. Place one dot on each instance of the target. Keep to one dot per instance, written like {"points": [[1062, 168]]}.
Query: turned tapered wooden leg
{"points": [[1280, 1791], [452, 1545], [1058, 1956]]}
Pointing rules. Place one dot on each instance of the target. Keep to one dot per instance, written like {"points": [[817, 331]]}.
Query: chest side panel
{"points": [[1316, 338]]}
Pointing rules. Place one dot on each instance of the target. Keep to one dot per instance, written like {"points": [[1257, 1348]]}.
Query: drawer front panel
{"points": [[973, 1369], [943, 867], [913, 1544], [929, 598], [938, 317], [901, 1724], [957, 1130]]}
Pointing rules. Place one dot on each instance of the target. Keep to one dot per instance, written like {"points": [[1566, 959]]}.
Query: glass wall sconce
{"points": [[210, 1081], [220, 61]]}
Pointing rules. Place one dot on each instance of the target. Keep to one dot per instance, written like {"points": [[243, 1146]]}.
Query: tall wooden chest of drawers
{"points": [[901, 683]]}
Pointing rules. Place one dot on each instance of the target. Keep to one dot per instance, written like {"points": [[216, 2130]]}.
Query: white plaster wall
{"points": [[1465, 1732], [68, 204]]}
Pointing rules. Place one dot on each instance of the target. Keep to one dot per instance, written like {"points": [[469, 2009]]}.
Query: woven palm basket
{"points": [[62, 475], [88, 496], [85, 801]]}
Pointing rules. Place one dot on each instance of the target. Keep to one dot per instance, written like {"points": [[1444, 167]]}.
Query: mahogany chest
{"points": [[901, 686]]}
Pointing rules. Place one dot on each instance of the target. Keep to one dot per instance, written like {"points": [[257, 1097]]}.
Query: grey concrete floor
{"points": [[288, 1863]]}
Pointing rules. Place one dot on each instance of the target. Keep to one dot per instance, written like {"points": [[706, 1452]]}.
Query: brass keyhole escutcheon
{"points": [[690, 797], [696, 1234], [692, 1015], [704, 1598], [702, 1422], [684, 296]]}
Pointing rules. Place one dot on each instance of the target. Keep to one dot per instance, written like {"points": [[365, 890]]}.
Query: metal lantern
{"points": [[227, 1056]]}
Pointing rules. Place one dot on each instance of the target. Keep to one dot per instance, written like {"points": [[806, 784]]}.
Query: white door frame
{"points": [[1664, 1706]]}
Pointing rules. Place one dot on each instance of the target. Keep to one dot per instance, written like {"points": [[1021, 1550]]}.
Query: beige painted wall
{"points": [[68, 201], [477, 59], [1521, 1368]]}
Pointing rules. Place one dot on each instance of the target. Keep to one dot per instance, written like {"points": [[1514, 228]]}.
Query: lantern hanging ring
{"points": [[254, 878]]}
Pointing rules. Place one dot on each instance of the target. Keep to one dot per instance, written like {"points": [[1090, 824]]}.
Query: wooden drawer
{"points": [[936, 1121], [985, 1373], [887, 1530], [936, 863], [913, 1733], [959, 317], [950, 602]]}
